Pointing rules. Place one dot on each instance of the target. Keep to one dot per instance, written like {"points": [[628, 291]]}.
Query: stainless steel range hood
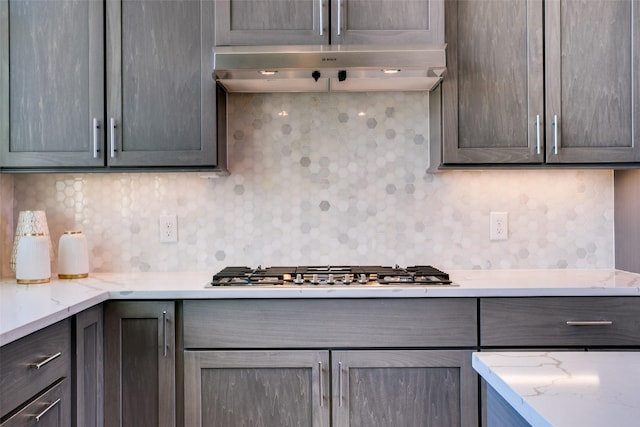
{"points": [[336, 68]]}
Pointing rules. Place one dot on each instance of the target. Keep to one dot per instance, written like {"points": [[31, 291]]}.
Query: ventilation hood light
{"points": [[336, 68]]}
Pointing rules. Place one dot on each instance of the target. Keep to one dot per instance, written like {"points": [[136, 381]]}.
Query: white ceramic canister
{"points": [[33, 262], [73, 256]]}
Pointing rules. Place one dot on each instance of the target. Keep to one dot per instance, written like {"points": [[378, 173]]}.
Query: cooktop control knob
{"points": [[314, 280], [347, 279], [330, 280], [363, 279], [298, 280]]}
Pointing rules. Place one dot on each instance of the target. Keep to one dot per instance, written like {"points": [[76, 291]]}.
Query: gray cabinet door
{"points": [[161, 101], [387, 22], [493, 106], [409, 388], [139, 359], [257, 388], [88, 376], [52, 83], [265, 22], [593, 81]]}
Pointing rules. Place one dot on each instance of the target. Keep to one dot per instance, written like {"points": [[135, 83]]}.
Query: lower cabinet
{"points": [[315, 388], [35, 378], [88, 368], [139, 360], [330, 362]]}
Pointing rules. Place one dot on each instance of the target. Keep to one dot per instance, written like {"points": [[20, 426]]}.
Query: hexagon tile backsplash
{"points": [[330, 179]]}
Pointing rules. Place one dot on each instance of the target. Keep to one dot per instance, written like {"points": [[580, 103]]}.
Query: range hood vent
{"points": [[329, 68]]}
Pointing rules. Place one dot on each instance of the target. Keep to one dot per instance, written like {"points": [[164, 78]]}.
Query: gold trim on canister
{"points": [[32, 282], [73, 276]]}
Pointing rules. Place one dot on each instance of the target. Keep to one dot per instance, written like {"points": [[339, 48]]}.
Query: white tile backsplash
{"points": [[330, 179]]}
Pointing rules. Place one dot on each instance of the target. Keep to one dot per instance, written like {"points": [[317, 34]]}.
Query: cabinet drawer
{"points": [[560, 321], [427, 322], [51, 408], [33, 363]]}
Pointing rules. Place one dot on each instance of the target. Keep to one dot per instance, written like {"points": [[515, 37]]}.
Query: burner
{"points": [[331, 276]]}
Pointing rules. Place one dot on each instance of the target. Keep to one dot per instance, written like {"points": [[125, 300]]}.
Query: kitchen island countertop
{"points": [[27, 308], [565, 389]]}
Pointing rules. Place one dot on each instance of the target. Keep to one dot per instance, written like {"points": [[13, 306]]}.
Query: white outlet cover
{"points": [[168, 228], [498, 226]]}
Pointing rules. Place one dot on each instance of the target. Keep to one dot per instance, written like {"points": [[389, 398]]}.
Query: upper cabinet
{"points": [[156, 84], [533, 83], [260, 22], [52, 82]]}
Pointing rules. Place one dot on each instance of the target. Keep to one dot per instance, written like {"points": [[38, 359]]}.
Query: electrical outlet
{"points": [[168, 226], [498, 226]]}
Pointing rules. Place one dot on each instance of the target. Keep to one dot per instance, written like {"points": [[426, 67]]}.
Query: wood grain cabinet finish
{"points": [[493, 92], [139, 359], [338, 362], [257, 388], [33, 364], [315, 323], [51, 408], [88, 378], [161, 102], [560, 322], [290, 22], [161, 99], [408, 388], [52, 82], [531, 82]]}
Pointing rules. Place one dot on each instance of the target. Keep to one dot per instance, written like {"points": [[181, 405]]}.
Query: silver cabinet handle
{"points": [[321, 388], [340, 383], [537, 133], [113, 126], [96, 137], [321, 20], [339, 16], [589, 322], [45, 361], [47, 409], [164, 333], [555, 134]]}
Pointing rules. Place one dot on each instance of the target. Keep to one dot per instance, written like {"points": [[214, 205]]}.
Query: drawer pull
{"points": [[45, 361], [590, 323], [47, 409], [321, 388]]}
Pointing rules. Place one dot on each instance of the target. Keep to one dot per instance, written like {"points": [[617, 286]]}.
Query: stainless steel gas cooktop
{"points": [[419, 275]]}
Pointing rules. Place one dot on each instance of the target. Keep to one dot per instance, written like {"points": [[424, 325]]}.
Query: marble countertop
{"points": [[27, 308], [566, 389]]}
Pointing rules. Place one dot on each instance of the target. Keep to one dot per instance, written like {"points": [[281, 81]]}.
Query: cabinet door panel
{"points": [[387, 22], [54, 84], [161, 94], [139, 364], [53, 409], [269, 388], [392, 388], [493, 93], [89, 368], [593, 78], [264, 22]]}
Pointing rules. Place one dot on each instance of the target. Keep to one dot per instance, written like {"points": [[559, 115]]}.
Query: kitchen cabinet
{"points": [[565, 322], [88, 369], [330, 362], [161, 102], [256, 22], [525, 82], [139, 360], [35, 378], [553, 324]]}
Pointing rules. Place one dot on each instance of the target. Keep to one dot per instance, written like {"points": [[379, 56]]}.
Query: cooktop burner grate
{"points": [[330, 275]]}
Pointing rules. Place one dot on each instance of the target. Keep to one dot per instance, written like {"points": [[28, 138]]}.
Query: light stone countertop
{"points": [[566, 389], [27, 308]]}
